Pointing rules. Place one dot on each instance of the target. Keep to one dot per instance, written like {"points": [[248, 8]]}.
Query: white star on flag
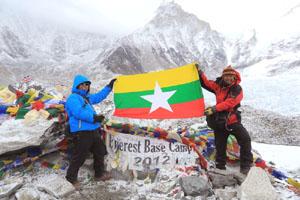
{"points": [[159, 99]]}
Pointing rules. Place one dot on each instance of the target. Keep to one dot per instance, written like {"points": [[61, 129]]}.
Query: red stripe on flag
{"points": [[181, 110]]}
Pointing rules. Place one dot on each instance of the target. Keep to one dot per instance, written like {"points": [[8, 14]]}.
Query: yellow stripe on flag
{"points": [[165, 78]]}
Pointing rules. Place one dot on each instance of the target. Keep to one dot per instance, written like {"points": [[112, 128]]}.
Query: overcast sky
{"points": [[124, 16]]}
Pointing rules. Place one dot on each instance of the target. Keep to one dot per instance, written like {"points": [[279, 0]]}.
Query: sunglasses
{"points": [[85, 84]]}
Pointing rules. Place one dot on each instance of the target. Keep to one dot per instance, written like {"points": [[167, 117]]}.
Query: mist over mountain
{"points": [[172, 38]]}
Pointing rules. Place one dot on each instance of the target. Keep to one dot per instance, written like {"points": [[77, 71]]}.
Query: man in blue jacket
{"points": [[84, 125]]}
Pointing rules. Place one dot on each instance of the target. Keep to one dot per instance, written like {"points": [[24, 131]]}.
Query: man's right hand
{"points": [[99, 118], [111, 83], [198, 68], [210, 110]]}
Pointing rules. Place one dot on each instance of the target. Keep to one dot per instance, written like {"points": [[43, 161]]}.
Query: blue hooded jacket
{"points": [[81, 113]]}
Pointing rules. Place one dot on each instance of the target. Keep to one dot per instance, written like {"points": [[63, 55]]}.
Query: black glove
{"points": [[111, 83], [98, 118], [210, 110], [198, 68]]}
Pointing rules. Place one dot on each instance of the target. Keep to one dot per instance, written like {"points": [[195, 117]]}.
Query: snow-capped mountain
{"points": [[172, 38], [39, 47], [50, 51], [250, 50], [280, 38]]}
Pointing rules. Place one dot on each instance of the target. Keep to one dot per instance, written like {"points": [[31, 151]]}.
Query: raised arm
{"points": [[209, 85], [99, 96]]}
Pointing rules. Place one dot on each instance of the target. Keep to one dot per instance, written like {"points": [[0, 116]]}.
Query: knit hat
{"points": [[229, 71]]}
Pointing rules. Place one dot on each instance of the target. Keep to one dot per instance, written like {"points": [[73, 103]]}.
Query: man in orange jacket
{"points": [[225, 119]]}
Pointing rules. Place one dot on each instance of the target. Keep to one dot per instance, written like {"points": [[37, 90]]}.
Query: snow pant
{"points": [[243, 139], [85, 142]]}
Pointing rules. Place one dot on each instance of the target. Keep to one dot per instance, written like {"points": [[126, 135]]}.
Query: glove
{"points": [[210, 110], [111, 83], [198, 68], [99, 118]]}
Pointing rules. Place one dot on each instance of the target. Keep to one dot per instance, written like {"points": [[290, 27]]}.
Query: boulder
{"points": [[194, 186], [8, 187], [221, 180], [27, 194], [257, 186], [164, 187], [226, 194], [55, 185], [15, 136]]}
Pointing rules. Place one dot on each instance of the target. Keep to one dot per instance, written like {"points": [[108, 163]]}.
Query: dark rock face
{"points": [[59, 48], [15, 48], [172, 38], [125, 57]]}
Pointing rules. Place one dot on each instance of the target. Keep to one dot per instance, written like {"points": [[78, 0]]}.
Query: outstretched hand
{"points": [[111, 83], [198, 68]]}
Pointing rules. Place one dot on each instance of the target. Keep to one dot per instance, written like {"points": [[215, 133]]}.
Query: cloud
{"points": [[124, 16], [114, 16], [236, 15]]}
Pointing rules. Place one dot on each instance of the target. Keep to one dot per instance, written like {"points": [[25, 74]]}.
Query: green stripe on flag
{"points": [[184, 93]]}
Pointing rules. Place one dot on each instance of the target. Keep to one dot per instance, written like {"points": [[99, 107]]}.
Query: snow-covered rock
{"points": [[226, 194], [164, 187], [220, 180], [195, 186], [27, 194], [55, 185], [257, 186], [9, 186], [14, 135]]}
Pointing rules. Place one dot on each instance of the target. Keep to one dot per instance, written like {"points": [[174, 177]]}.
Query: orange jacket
{"points": [[228, 98]]}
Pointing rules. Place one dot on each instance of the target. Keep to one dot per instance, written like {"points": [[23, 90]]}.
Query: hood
{"points": [[77, 81], [238, 77]]}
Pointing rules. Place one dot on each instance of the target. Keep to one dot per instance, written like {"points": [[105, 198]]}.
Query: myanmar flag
{"points": [[168, 94]]}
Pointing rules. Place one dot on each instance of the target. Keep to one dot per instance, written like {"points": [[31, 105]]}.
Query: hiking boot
{"points": [[104, 177], [76, 185], [221, 167]]}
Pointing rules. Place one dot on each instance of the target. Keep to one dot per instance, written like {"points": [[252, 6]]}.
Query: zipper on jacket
{"points": [[79, 124]]}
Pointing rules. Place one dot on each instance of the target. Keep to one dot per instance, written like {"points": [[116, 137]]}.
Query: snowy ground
{"points": [[285, 157], [265, 90]]}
